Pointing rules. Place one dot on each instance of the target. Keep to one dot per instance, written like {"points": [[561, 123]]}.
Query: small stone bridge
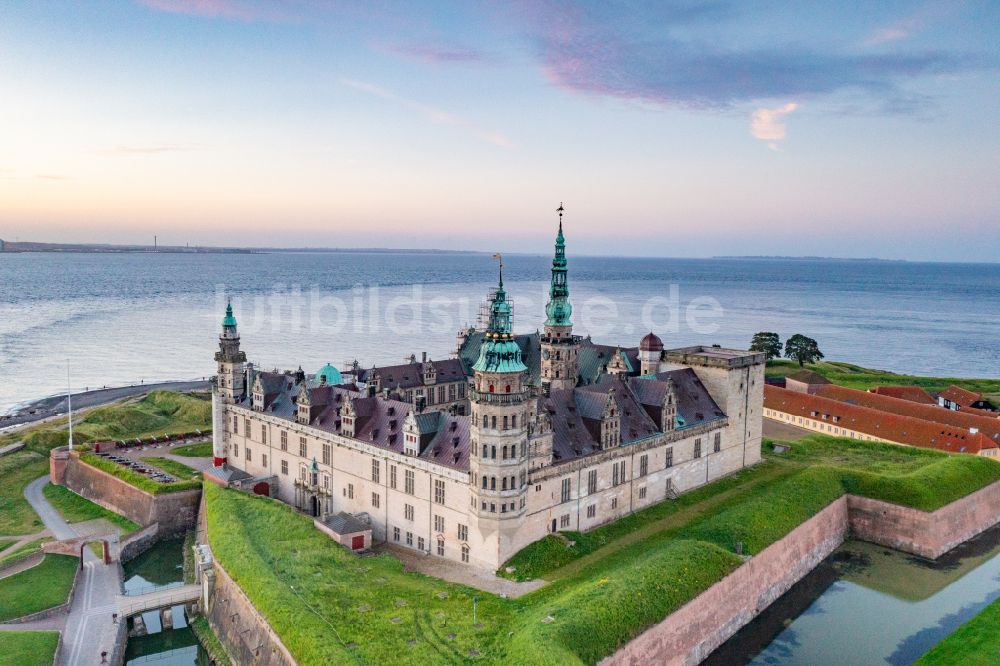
{"points": [[129, 605]]}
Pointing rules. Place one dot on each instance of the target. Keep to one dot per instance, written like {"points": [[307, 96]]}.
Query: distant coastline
{"points": [[761, 257], [110, 248]]}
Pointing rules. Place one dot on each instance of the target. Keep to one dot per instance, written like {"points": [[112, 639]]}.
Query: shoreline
{"points": [[30, 411]]}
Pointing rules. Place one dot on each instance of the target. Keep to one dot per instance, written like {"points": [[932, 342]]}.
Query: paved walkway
{"points": [[171, 596], [23, 540], [438, 567], [89, 628]]}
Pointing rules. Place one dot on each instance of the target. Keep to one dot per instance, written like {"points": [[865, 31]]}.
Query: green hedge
{"points": [[140, 481]]}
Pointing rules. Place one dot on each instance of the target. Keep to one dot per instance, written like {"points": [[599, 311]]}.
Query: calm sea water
{"points": [[121, 318]]}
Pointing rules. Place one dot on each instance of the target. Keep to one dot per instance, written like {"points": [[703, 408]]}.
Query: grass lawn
{"points": [[76, 509], [203, 450], [975, 642], [855, 376], [158, 413], [177, 470], [27, 549], [140, 481], [37, 588], [6, 543], [28, 648], [328, 605]]}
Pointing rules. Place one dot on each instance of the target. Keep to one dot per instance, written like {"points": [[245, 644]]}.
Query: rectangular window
{"points": [[236, 425], [375, 471], [642, 492], [564, 520], [284, 467], [249, 456], [420, 543], [326, 481], [697, 448], [718, 442], [440, 547], [408, 482], [395, 534], [670, 456], [465, 549], [438, 523], [326, 454], [392, 476], [263, 434], [439, 491], [592, 482], [618, 473], [408, 511], [284, 440], [263, 460], [643, 465], [463, 532], [302, 447], [350, 491], [376, 500], [236, 450], [591, 511], [409, 538], [614, 503], [566, 487], [461, 394], [246, 428]]}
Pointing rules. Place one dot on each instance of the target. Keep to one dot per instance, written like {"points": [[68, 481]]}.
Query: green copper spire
{"points": [[499, 352], [229, 321], [558, 309]]}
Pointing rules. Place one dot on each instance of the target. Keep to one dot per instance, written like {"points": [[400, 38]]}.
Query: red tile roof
{"points": [[960, 396], [911, 393], [884, 425]]}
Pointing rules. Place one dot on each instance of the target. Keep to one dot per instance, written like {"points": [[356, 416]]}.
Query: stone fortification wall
{"points": [[175, 512]]}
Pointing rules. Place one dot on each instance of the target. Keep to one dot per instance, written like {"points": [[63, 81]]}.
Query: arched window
{"points": [[508, 388], [491, 388], [504, 453], [513, 421], [503, 483], [465, 553], [485, 422], [493, 483], [440, 548], [484, 483], [513, 484]]}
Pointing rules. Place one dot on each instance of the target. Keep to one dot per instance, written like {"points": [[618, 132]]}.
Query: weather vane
{"points": [[498, 257]]}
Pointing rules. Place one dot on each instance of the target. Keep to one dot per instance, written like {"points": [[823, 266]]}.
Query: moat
{"points": [[161, 567], [867, 604]]}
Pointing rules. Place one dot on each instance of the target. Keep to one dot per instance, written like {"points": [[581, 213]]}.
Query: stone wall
{"points": [[137, 543], [245, 634], [691, 633], [927, 534], [175, 512]]}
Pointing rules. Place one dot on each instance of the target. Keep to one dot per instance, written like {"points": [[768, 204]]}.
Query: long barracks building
{"points": [[525, 435]]}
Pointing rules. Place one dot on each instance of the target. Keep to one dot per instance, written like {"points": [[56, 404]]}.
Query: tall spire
{"points": [[229, 321], [558, 309], [499, 352]]}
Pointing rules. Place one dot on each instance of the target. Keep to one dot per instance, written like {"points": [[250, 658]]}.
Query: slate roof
{"points": [[883, 424], [529, 344], [911, 393], [378, 421], [695, 404], [344, 523], [410, 375], [963, 420]]}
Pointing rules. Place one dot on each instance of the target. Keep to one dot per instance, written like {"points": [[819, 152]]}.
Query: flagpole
{"points": [[69, 402]]}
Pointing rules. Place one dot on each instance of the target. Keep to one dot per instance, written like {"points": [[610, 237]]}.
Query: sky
{"points": [[666, 128]]}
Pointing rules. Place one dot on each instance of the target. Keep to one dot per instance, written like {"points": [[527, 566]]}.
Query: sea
{"points": [[86, 320]]}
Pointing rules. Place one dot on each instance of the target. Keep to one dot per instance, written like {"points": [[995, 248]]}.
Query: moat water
{"points": [[122, 318], [868, 604], [162, 567]]}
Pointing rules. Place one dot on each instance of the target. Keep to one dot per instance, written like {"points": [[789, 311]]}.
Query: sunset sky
{"points": [[668, 128]]}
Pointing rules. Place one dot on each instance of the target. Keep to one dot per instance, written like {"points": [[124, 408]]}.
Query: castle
{"points": [[518, 436]]}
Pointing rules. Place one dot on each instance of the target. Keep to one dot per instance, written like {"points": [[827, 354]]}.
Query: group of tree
{"points": [[798, 347]]}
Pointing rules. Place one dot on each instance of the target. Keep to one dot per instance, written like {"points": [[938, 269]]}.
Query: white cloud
{"points": [[768, 124]]}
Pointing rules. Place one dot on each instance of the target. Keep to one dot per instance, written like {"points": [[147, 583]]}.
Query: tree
{"points": [[766, 342], [802, 349]]}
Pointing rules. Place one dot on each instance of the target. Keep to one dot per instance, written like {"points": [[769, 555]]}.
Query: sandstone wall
{"points": [[927, 534], [246, 635], [175, 512], [690, 634]]}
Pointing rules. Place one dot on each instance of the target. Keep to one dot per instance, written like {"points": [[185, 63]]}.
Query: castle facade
{"points": [[518, 436]]}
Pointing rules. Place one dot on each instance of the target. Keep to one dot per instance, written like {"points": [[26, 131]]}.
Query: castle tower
{"points": [[560, 348], [227, 387], [499, 432], [650, 353]]}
